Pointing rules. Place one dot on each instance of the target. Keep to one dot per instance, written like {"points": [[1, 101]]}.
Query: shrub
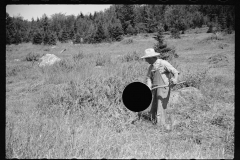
{"points": [[175, 33], [37, 38], [32, 56], [166, 52]]}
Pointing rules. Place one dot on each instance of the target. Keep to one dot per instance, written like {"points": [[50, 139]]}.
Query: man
{"points": [[159, 73]]}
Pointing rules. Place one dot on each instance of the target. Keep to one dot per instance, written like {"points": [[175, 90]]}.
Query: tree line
{"points": [[118, 20]]}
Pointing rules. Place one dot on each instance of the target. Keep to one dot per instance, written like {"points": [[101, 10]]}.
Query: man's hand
{"points": [[173, 81]]}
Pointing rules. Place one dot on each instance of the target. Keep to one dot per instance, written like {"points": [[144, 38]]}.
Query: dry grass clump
{"points": [[130, 57]]}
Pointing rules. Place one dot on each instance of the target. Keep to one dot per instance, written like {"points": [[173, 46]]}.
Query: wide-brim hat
{"points": [[150, 52]]}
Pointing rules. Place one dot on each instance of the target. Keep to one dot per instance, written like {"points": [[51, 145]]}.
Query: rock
{"points": [[185, 95], [48, 59]]}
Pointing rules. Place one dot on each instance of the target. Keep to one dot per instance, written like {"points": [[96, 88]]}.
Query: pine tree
{"points": [[77, 38], [75, 27], [37, 38], [71, 35], [10, 29], [165, 52], [222, 20], [52, 39], [64, 36], [17, 37], [115, 30], [116, 33], [46, 38], [100, 35], [90, 35], [130, 30]]}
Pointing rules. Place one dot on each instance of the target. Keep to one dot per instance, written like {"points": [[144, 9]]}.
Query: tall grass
{"points": [[77, 112]]}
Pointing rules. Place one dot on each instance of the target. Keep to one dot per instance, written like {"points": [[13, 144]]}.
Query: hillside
{"points": [[74, 109]]}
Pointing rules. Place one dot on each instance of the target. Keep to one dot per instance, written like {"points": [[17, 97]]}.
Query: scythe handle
{"points": [[167, 85]]}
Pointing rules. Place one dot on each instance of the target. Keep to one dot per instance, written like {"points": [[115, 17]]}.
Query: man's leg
{"points": [[163, 98]]}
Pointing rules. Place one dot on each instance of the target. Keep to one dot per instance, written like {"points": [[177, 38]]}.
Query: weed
{"points": [[79, 56], [102, 59]]}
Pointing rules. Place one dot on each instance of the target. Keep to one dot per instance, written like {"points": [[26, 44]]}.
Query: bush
{"points": [[166, 53], [175, 33], [37, 38], [32, 56]]}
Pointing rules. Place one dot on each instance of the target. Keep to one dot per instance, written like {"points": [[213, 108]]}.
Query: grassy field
{"points": [[73, 109]]}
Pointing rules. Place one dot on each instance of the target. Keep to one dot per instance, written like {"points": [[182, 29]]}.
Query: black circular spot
{"points": [[137, 96]]}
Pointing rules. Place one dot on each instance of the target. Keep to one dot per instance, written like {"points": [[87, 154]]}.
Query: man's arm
{"points": [[172, 70], [148, 78]]}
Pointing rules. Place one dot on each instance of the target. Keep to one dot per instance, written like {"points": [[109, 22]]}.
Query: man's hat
{"points": [[150, 52]]}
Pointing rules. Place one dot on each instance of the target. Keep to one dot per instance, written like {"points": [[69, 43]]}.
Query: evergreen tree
{"points": [[17, 37], [37, 38], [222, 20], [90, 34], [52, 39], [71, 35], [81, 15], [64, 36], [125, 13], [116, 31], [165, 52], [130, 30], [99, 36], [46, 38], [10, 30], [77, 38], [75, 27]]}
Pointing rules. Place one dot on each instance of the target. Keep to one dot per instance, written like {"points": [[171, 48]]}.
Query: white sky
{"points": [[33, 11]]}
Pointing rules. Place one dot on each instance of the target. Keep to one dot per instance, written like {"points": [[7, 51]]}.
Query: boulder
{"points": [[48, 59]]}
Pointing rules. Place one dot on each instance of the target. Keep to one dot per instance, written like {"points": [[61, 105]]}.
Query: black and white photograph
{"points": [[120, 81]]}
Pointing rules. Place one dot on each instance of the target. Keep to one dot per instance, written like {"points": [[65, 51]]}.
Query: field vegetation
{"points": [[74, 109]]}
